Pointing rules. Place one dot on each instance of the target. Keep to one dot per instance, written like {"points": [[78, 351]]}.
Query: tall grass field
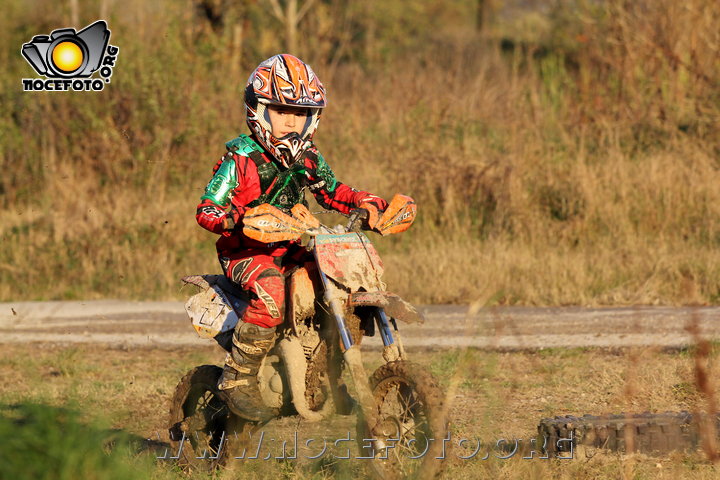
{"points": [[566, 152]]}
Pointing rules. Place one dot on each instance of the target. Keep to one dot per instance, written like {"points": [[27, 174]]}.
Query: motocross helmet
{"points": [[283, 80]]}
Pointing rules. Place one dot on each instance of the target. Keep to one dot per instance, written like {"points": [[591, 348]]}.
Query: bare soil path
{"points": [[447, 326]]}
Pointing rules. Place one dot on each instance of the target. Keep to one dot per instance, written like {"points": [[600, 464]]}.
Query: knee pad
{"points": [[270, 290]]}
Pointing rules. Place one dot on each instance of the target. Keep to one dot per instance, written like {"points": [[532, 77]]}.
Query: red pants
{"points": [[256, 271]]}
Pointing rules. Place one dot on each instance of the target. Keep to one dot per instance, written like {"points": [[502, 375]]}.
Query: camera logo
{"points": [[68, 58]]}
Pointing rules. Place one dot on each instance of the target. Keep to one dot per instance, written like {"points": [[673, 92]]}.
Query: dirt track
{"points": [[510, 328]]}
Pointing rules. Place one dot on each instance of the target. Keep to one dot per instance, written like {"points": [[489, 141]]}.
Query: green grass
{"points": [[40, 441]]}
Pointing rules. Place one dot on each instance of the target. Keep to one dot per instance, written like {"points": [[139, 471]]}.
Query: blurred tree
{"points": [[213, 11], [229, 23], [74, 14], [481, 15], [289, 13]]}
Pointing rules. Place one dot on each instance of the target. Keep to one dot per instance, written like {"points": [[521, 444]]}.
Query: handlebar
{"points": [[355, 221], [267, 224]]}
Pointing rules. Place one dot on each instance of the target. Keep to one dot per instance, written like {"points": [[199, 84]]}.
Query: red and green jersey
{"points": [[248, 176]]}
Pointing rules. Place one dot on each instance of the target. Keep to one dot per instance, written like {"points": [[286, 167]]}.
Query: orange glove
{"points": [[373, 215]]}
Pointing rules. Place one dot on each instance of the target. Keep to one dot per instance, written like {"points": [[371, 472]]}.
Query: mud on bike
{"points": [[333, 299]]}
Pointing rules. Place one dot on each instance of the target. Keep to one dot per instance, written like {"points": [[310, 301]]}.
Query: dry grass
{"points": [[579, 167]]}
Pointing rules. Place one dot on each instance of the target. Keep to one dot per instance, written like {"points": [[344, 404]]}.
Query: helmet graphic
{"points": [[283, 80]]}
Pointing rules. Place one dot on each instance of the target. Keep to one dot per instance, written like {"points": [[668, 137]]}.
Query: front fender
{"points": [[393, 305]]}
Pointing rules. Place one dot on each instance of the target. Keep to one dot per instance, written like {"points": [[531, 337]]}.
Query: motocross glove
{"points": [[366, 216], [371, 215]]}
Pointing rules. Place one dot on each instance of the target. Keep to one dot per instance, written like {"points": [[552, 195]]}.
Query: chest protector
{"points": [[281, 187]]}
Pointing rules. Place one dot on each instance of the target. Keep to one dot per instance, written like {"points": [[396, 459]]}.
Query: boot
{"points": [[238, 383]]}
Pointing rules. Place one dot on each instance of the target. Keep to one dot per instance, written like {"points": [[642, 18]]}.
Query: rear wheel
{"points": [[202, 429], [407, 438]]}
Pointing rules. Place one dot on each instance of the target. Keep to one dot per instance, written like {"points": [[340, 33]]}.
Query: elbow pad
{"points": [[222, 184]]}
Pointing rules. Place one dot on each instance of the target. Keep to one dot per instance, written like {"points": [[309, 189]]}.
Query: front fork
{"points": [[353, 360], [392, 350]]}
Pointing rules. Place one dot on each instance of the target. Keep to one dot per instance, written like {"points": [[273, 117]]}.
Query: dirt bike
{"points": [[333, 299]]}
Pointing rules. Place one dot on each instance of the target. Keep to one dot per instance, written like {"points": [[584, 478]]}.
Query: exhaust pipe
{"points": [[296, 366]]}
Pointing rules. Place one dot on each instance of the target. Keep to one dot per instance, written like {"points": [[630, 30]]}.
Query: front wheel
{"points": [[407, 440]]}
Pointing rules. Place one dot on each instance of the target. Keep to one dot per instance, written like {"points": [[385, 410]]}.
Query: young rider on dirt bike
{"points": [[275, 164]]}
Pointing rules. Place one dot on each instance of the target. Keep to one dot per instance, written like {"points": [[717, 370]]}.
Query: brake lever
{"points": [[356, 218]]}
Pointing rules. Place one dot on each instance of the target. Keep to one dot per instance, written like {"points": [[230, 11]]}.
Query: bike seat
{"points": [[227, 286]]}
